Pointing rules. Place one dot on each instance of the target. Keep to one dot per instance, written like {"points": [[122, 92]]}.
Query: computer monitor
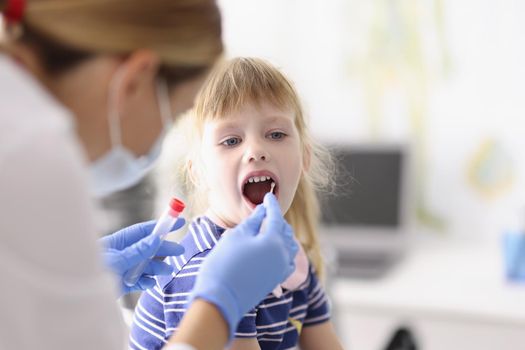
{"points": [[367, 217]]}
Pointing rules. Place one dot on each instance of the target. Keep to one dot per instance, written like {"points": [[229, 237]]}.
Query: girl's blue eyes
{"points": [[277, 135], [234, 141]]}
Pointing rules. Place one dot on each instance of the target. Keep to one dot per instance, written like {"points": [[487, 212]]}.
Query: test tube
{"points": [[161, 229]]}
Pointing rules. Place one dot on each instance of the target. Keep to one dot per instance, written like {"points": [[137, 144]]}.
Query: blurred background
{"points": [[430, 95]]}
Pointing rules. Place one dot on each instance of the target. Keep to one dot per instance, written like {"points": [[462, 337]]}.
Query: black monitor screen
{"points": [[368, 188]]}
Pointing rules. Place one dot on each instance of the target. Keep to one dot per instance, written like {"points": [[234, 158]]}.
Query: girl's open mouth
{"points": [[256, 187]]}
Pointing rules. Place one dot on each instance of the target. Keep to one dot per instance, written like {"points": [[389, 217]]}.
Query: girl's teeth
{"points": [[258, 179]]}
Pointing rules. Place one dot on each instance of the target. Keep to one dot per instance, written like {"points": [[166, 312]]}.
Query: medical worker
{"points": [[87, 90]]}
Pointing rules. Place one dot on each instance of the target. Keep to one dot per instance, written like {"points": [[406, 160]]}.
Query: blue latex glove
{"points": [[245, 266], [130, 246]]}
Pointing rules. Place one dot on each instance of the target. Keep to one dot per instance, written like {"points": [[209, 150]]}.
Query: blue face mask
{"points": [[119, 168]]}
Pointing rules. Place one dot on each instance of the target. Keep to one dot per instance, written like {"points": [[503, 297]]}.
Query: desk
{"points": [[453, 295]]}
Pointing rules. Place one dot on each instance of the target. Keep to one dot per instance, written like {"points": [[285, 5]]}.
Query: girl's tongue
{"points": [[255, 191]]}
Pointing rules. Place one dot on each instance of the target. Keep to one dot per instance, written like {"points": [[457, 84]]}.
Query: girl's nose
{"points": [[256, 153]]}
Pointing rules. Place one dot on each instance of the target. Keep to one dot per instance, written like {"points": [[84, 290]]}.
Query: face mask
{"points": [[119, 168]]}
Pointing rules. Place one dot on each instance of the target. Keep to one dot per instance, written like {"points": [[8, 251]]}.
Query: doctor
{"points": [[87, 90]]}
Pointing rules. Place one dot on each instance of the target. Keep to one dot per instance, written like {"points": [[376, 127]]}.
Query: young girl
{"points": [[246, 136]]}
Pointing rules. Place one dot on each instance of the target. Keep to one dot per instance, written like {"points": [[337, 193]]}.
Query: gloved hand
{"points": [[130, 246], [245, 266]]}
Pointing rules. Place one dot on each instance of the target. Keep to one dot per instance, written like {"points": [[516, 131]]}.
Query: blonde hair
{"points": [[186, 34], [231, 85]]}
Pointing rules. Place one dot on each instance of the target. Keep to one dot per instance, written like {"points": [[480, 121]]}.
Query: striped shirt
{"points": [[275, 322]]}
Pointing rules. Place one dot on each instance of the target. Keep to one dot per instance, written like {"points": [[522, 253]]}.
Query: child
{"points": [[245, 137]]}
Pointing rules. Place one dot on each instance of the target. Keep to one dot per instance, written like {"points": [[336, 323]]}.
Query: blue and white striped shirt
{"points": [[275, 322]]}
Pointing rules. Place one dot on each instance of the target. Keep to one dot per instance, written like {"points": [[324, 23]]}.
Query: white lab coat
{"points": [[54, 293]]}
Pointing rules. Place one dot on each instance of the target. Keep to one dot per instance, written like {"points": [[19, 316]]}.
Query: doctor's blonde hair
{"points": [[185, 34], [229, 87]]}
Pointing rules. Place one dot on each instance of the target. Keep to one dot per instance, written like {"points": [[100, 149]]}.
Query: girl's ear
{"points": [[192, 173], [195, 174], [307, 158]]}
